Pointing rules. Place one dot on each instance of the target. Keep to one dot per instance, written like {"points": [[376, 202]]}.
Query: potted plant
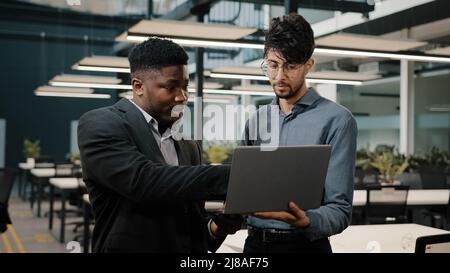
{"points": [[217, 154], [32, 150], [434, 168], [437, 161], [389, 165], [364, 158], [75, 158]]}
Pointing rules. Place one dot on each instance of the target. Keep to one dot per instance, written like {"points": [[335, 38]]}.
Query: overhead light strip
{"points": [[343, 82], [47, 88], [318, 50], [264, 78], [201, 43], [129, 95], [395, 56], [209, 100], [72, 95], [238, 76], [235, 92], [188, 42], [440, 108], [91, 85], [101, 68]]}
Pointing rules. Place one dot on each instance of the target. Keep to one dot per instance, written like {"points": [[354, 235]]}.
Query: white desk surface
{"points": [[43, 172], [234, 243], [65, 182], [26, 166], [415, 197], [395, 238]]}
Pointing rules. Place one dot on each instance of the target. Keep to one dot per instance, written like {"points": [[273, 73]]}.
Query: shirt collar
{"points": [[151, 120]]}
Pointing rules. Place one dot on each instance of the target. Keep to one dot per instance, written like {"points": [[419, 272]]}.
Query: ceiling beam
{"points": [[407, 18], [22, 11], [343, 6], [188, 9]]}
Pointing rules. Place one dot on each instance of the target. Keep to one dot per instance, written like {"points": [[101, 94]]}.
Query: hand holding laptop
{"points": [[224, 224], [296, 216]]}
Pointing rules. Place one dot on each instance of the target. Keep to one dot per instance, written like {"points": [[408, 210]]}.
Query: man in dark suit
{"points": [[148, 190]]}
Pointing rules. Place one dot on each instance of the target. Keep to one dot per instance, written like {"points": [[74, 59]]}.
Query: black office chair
{"points": [[433, 244], [366, 178], [386, 204], [44, 161], [74, 198], [7, 177], [40, 163], [434, 179]]}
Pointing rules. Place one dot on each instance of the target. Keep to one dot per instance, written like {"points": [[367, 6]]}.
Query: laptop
{"points": [[439, 243], [262, 180]]}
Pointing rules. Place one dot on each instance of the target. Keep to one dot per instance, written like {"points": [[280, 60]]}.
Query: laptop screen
{"points": [[433, 244]]}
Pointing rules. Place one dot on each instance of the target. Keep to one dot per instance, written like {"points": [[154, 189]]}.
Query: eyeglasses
{"points": [[270, 69]]}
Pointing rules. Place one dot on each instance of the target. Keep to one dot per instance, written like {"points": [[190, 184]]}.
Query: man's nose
{"points": [[181, 96]]}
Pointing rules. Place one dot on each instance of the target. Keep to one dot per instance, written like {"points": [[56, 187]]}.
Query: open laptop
{"points": [[439, 243], [262, 180]]}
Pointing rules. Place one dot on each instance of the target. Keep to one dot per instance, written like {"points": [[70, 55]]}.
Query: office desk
{"points": [[24, 168], [65, 185], [415, 197], [41, 175], [395, 238]]}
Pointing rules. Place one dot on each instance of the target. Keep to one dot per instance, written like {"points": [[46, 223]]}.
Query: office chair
{"points": [[433, 244], [363, 179], [44, 162], [434, 179], [7, 177], [366, 178], [386, 204], [40, 163]]}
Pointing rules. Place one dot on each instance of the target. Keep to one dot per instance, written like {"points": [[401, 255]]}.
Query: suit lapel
{"points": [[182, 153], [143, 131]]}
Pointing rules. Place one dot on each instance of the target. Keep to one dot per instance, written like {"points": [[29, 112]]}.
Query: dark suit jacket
{"points": [[140, 203], [4, 217]]}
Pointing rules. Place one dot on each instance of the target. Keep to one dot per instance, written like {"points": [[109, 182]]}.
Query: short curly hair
{"points": [[292, 37], [156, 53]]}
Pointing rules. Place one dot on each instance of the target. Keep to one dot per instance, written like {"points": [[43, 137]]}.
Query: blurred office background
{"points": [[389, 64]]}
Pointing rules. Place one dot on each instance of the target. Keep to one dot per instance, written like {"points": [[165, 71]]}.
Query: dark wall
{"points": [[27, 61]]}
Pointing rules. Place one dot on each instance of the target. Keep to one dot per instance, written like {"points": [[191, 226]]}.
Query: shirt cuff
{"points": [[210, 232], [312, 230]]}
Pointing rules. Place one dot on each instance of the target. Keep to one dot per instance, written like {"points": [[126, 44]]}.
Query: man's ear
{"points": [[137, 86], [310, 64]]}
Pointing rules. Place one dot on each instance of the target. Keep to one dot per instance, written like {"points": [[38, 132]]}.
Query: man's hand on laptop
{"points": [[224, 224], [296, 216]]}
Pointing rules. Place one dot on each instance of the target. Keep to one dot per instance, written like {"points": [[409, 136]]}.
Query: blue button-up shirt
{"points": [[316, 120]]}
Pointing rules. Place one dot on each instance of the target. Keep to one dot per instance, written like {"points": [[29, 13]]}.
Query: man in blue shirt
{"points": [[305, 118]]}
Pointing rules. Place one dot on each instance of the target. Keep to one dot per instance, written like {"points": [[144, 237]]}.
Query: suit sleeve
{"points": [[110, 158], [213, 242]]}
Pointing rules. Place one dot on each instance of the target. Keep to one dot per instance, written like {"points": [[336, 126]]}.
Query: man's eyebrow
{"points": [[172, 81], [273, 61]]}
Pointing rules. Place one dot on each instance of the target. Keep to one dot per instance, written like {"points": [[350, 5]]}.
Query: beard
{"points": [[290, 93]]}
